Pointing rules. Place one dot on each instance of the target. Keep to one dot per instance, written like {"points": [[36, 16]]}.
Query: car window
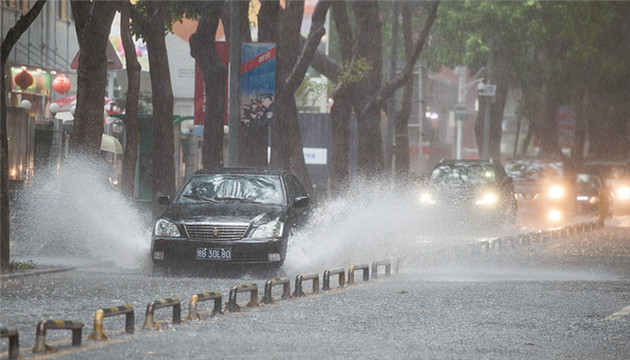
{"points": [[475, 174], [522, 170], [222, 188], [586, 183], [294, 187]]}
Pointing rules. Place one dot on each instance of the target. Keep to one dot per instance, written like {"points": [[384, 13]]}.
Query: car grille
{"points": [[221, 232], [527, 196]]}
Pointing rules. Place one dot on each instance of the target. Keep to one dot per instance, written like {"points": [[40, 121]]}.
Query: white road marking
{"points": [[619, 314]]}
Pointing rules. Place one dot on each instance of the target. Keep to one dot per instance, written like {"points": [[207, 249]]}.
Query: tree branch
{"points": [[388, 89], [314, 38], [23, 23]]}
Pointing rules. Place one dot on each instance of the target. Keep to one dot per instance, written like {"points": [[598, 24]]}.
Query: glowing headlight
{"points": [[166, 228], [554, 215], [273, 229], [556, 192], [623, 193], [427, 198], [487, 199]]}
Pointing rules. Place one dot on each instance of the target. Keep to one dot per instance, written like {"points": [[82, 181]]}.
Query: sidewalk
{"points": [[43, 265]]}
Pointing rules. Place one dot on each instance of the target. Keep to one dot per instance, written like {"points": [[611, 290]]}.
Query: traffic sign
{"points": [[461, 111]]}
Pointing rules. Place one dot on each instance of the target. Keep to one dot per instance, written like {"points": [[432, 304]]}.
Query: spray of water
{"points": [[372, 221], [73, 212]]}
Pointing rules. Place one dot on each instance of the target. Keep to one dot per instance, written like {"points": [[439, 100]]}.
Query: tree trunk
{"points": [[370, 143], [499, 74], [131, 112], [341, 110], [203, 49], [93, 23], [267, 20], [163, 174], [340, 123], [547, 127], [577, 149], [528, 137], [402, 118], [291, 66], [11, 38]]}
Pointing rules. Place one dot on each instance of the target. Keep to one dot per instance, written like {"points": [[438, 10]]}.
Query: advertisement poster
{"points": [[257, 83]]}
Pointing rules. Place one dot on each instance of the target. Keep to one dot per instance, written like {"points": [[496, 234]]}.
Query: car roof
{"points": [[467, 162], [242, 171]]}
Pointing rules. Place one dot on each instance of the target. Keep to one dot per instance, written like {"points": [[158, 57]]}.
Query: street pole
{"points": [[423, 111], [235, 85], [460, 99], [486, 113]]}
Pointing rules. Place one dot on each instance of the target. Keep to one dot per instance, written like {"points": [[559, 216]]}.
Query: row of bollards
{"points": [[512, 241], [43, 326]]}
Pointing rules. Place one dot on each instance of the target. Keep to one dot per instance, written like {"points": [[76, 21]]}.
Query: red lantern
{"points": [[24, 79], [61, 84]]}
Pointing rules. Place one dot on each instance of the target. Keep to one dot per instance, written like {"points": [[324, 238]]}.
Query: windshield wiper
{"points": [[238, 199]]}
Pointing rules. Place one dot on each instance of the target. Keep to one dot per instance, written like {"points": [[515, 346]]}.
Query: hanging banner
{"points": [[258, 66], [258, 74]]}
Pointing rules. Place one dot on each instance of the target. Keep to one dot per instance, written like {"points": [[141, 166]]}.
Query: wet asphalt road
{"points": [[548, 300]]}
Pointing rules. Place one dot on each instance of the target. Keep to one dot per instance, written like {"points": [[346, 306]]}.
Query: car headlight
{"points": [[554, 215], [487, 199], [623, 193], [556, 192], [427, 198], [164, 227], [273, 229]]}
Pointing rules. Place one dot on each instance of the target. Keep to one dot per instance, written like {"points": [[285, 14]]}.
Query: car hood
{"points": [[459, 192], [250, 213], [528, 187]]}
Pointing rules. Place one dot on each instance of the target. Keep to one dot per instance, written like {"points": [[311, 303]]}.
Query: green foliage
{"points": [[311, 89], [178, 10], [354, 73], [22, 265]]}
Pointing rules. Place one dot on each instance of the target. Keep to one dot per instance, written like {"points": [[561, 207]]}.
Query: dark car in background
{"points": [[589, 192], [473, 191], [616, 178], [236, 216], [545, 188]]}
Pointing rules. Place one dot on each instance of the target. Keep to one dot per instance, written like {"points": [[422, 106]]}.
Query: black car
{"points": [[589, 190], [616, 178], [239, 216], [478, 191], [545, 188]]}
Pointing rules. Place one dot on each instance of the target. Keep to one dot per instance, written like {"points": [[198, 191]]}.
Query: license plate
{"points": [[214, 254]]}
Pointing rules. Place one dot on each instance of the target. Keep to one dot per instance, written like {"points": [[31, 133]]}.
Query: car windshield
{"points": [[229, 188], [587, 183], [537, 170], [470, 174]]}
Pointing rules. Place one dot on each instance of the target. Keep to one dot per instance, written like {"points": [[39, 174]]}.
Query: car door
{"points": [[295, 190]]}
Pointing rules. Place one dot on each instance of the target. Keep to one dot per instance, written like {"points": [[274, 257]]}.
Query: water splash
{"points": [[74, 212]]}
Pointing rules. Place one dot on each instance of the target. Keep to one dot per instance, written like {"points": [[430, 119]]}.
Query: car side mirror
{"points": [[301, 201], [164, 200]]}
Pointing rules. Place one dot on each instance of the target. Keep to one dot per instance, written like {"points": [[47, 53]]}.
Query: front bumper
{"points": [[166, 251]]}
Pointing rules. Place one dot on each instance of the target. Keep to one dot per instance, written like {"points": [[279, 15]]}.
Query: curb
{"points": [[32, 272]]}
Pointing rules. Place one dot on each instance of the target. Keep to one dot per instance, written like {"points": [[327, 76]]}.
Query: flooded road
{"points": [[555, 299]]}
